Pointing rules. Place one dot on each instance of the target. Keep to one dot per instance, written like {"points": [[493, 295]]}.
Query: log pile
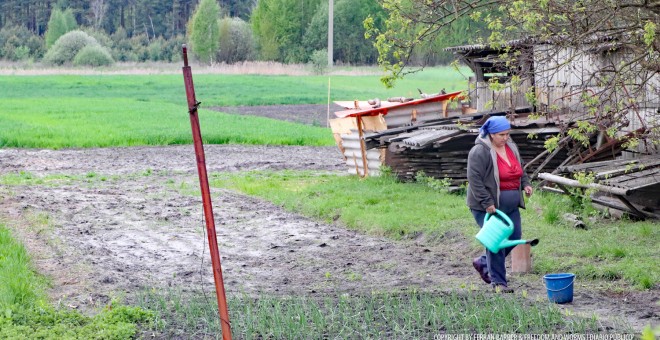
{"points": [[441, 151]]}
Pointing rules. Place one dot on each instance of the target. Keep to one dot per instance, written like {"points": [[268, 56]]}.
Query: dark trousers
{"points": [[509, 202]]}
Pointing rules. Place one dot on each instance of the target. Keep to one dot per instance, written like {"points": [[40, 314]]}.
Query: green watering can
{"points": [[495, 233]]}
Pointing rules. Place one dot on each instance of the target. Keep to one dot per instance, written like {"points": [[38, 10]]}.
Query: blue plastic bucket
{"points": [[560, 287]]}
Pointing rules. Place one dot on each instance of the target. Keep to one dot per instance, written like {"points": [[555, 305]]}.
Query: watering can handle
{"points": [[498, 214], [559, 290]]}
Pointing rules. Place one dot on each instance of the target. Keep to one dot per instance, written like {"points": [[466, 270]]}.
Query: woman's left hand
{"points": [[529, 191]]}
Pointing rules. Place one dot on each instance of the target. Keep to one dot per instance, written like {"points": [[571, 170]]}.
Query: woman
{"points": [[496, 180]]}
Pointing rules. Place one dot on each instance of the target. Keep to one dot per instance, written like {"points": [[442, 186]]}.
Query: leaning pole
{"points": [[206, 198]]}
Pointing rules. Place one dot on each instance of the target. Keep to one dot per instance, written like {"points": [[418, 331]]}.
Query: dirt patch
{"points": [[134, 221], [309, 114]]}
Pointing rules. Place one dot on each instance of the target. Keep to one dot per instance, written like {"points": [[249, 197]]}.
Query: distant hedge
{"points": [[68, 47], [93, 55]]}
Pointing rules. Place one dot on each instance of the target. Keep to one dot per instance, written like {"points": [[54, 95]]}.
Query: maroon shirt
{"points": [[509, 174]]}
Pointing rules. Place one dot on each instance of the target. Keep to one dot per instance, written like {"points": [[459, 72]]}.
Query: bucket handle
{"points": [[559, 290]]}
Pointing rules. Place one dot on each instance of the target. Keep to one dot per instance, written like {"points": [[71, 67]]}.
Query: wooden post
{"points": [[363, 148], [521, 259]]}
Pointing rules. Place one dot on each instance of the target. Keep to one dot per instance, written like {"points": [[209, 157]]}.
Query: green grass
{"points": [[88, 122], [378, 315], [63, 111], [26, 314], [608, 251], [376, 205]]}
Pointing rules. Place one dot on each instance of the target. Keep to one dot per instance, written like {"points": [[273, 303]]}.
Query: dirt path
{"points": [[135, 221]]}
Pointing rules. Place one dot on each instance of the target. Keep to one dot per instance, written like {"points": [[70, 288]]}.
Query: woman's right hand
{"points": [[491, 209]]}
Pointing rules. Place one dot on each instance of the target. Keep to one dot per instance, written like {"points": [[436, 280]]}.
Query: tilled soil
{"points": [[133, 220], [309, 114]]}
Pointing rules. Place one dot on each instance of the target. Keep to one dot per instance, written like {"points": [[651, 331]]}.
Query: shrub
{"points": [[93, 55], [172, 48], [12, 37], [139, 44], [319, 61], [67, 46], [121, 46], [155, 49], [9, 48], [236, 41], [22, 53], [101, 37], [36, 46]]}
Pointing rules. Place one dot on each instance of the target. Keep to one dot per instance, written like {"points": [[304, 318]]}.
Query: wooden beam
{"points": [[573, 183], [363, 147]]}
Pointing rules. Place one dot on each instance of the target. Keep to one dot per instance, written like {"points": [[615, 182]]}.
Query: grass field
{"points": [[62, 111]]}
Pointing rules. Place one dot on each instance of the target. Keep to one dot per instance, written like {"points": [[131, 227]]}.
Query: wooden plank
{"points": [[345, 125], [648, 179]]}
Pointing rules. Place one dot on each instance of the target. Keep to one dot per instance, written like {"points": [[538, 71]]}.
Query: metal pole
{"points": [[206, 198]]}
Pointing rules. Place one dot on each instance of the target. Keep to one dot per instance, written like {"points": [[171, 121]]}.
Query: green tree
{"points": [[279, 27], [350, 45], [70, 20], [57, 27], [204, 31], [609, 52], [60, 22]]}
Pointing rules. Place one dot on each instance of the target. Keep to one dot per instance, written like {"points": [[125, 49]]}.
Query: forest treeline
{"points": [[288, 31]]}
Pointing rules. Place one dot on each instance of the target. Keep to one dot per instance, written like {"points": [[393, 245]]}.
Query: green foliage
{"points": [[59, 24], [25, 314], [18, 43], [69, 20], [393, 315], [433, 183], [350, 44], [319, 61], [203, 30], [10, 50], [100, 36], [20, 286], [236, 41], [45, 322], [279, 27], [93, 55], [67, 46], [415, 32]]}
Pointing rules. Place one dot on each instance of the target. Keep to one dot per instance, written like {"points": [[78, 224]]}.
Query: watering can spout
{"points": [[511, 243]]}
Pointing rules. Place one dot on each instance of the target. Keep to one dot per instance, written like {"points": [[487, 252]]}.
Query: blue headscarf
{"points": [[494, 124]]}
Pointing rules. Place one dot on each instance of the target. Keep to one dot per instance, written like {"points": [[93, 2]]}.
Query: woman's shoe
{"points": [[502, 288], [482, 270]]}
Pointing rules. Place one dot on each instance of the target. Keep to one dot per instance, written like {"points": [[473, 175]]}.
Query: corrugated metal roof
{"points": [[595, 39], [385, 106]]}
